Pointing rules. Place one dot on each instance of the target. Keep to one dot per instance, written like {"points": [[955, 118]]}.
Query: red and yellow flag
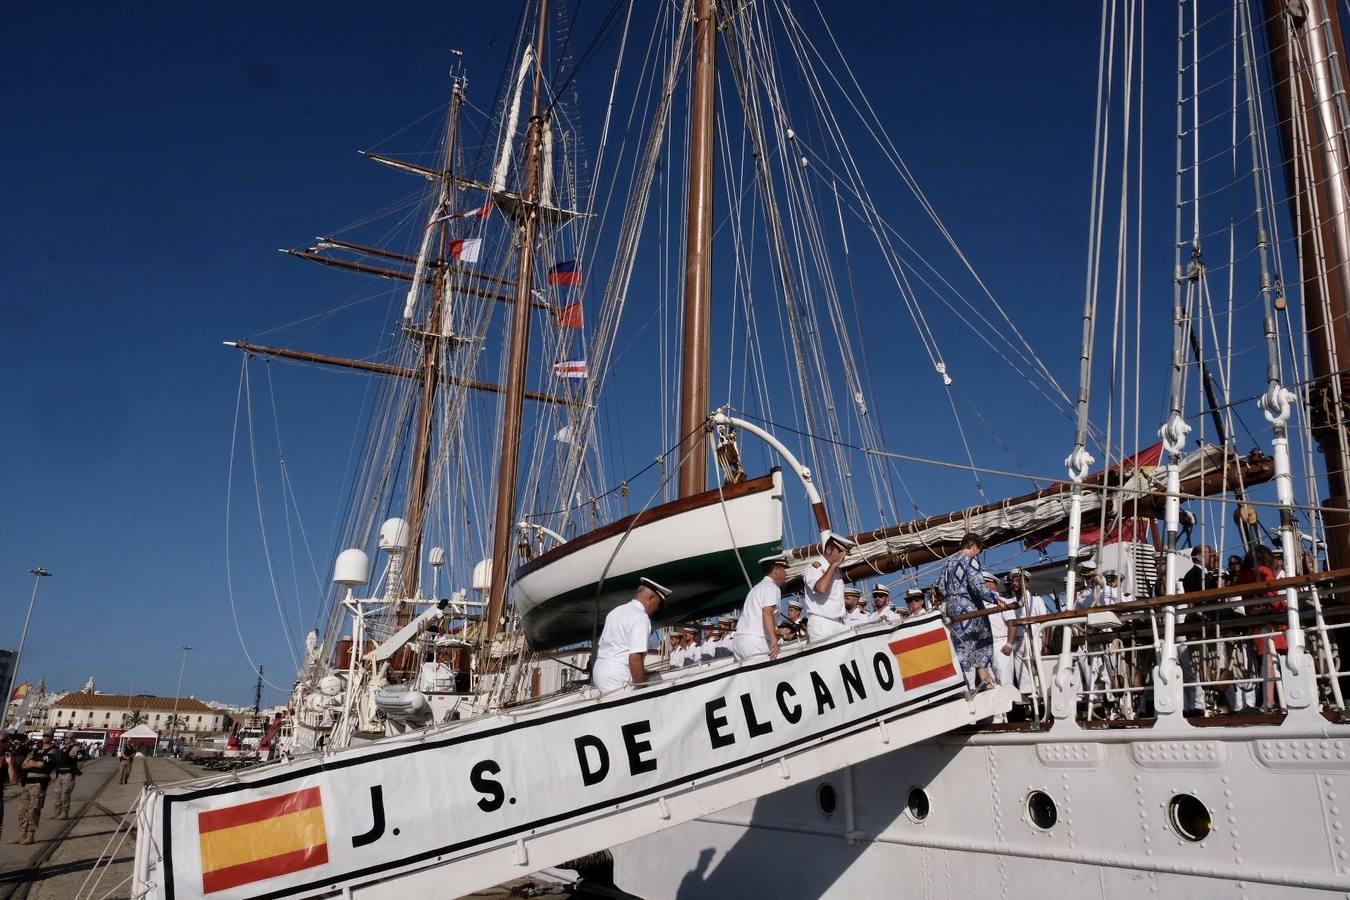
{"points": [[924, 658], [263, 839]]}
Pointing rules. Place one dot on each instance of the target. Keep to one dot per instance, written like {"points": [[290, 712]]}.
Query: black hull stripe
{"points": [[943, 698]]}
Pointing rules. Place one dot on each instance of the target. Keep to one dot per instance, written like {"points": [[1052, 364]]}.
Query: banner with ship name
{"points": [[308, 827]]}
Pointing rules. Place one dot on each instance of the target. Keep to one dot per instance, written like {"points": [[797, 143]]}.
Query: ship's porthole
{"points": [[826, 799], [916, 804], [1190, 818], [1041, 811]]}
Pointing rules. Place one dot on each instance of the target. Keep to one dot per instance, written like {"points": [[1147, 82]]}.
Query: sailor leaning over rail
{"points": [[621, 653], [756, 630], [824, 586], [963, 591]]}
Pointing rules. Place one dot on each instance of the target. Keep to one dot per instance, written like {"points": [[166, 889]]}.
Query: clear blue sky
{"points": [[157, 156]]}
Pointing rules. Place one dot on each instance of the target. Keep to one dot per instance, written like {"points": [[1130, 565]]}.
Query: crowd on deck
{"points": [[985, 614]]}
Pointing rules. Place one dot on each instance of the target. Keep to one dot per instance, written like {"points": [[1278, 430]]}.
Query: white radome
{"points": [[352, 568], [394, 535]]}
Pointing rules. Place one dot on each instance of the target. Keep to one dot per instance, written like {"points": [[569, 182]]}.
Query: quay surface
{"points": [[59, 865]]}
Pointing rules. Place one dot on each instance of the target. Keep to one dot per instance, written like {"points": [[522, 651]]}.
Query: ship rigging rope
{"points": [[892, 153], [987, 470], [262, 524], [229, 495]]}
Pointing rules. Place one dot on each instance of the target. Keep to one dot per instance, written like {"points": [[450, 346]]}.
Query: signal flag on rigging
{"points": [[481, 212], [255, 841], [466, 249], [565, 273], [570, 316], [575, 368]]}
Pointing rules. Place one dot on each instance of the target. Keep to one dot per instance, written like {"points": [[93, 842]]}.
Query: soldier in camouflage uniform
{"points": [[34, 774], [68, 760]]}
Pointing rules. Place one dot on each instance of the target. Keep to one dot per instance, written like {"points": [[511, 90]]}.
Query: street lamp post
{"points": [[177, 692], [38, 574]]}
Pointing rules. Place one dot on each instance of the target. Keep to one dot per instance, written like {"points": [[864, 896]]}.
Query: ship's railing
{"points": [[1113, 661]]}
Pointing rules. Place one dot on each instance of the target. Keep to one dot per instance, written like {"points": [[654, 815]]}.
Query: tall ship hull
{"points": [[1265, 802], [1103, 706]]}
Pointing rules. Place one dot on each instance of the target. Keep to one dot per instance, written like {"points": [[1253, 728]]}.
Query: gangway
{"points": [[459, 808]]}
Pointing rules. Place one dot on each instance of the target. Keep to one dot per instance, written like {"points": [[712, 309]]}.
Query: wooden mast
{"points": [[504, 523], [1308, 59], [433, 340], [698, 256]]}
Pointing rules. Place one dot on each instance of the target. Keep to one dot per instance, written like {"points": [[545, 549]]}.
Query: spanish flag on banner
{"points": [[924, 658], [263, 839]]}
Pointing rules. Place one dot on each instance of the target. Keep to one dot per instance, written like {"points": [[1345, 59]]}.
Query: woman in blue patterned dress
{"points": [[963, 590]]}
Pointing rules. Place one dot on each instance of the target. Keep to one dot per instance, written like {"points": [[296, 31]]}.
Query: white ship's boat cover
{"points": [[705, 548]]}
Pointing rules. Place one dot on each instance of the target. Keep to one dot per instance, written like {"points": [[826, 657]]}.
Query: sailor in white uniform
{"points": [[881, 599], [915, 602], [1028, 605], [855, 613], [824, 589], [1003, 625], [756, 630], [622, 650], [794, 618]]}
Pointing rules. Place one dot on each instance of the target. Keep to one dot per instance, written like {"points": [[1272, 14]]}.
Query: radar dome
{"points": [[394, 535], [352, 568]]}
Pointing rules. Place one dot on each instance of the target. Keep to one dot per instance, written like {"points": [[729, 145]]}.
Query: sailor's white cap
{"points": [[831, 537], [777, 559], [913, 594], [1088, 565], [661, 590], [881, 590], [988, 576], [1110, 573], [795, 602], [852, 591], [1019, 571]]}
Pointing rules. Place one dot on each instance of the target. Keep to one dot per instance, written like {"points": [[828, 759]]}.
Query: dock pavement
{"points": [[60, 864]]}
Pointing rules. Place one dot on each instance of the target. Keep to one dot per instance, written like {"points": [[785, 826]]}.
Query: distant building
{"points": [[85, 709]]}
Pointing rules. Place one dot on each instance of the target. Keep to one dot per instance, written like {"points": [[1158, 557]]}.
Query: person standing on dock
{"points": [[34, 774], [756, 634], [9, 772], [825, 589], [128, 754], [67, 769], [964, 591], [620, 654]]}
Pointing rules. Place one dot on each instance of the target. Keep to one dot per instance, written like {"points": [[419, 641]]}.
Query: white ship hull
{"points": [[1277, 797]]}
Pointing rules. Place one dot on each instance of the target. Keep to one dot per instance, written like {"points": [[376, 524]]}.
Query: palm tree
{"points": [[176, 723], [132, 719]]}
